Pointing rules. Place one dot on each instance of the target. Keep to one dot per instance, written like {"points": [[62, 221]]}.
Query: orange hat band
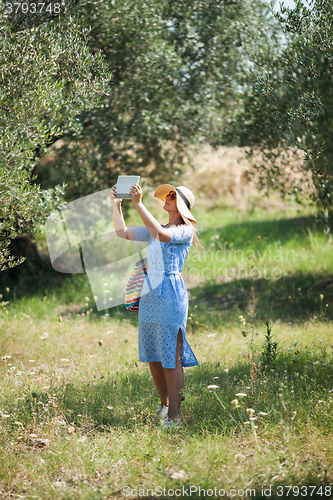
{"points": [[183, 197]]}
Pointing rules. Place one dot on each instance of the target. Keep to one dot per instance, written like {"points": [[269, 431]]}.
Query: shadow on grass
{"points": [[288, 298]]}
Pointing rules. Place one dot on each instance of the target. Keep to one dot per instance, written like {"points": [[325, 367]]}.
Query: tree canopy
{"points": [[179, 70], [48, 75], [291, 103]]}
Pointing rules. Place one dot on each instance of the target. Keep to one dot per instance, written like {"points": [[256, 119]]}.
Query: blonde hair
{"points": [[192, 224]]}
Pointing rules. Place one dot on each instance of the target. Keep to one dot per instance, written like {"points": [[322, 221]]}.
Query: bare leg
{"points": [[158, 374], [175, 381]]}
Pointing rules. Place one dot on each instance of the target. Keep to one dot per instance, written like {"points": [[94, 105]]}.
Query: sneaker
{"points": [[161, 412], [167, 423]]}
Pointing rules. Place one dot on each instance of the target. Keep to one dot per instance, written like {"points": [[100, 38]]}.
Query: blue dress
{"points": [[164, 301]]}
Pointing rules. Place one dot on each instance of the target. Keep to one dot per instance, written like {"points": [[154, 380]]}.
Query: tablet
{"points": [[124, 184]]}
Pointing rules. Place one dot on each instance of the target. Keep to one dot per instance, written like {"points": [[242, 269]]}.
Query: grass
{"points": [[77, 407]]}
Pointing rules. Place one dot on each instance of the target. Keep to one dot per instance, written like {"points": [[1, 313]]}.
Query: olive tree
{"points": [[179, 72], [48, 75], [290, 106]]}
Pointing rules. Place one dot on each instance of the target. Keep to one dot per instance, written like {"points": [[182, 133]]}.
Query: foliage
{"points": [[270, 348], [47, 76], [179, 70], [291, 105]]}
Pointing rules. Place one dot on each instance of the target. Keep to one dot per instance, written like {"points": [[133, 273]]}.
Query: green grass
{"points": [[82, 388]]}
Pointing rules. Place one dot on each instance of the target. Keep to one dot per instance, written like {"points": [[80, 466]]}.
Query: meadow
{"points": [[76, 406]]}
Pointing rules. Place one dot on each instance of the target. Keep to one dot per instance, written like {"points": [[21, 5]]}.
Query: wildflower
{"points": [[250, 412], [321, 296], [70, 429], [65, 360], [253, 418], [226, 370], [7, 289], [242, 319], [110, 407], [234, 403], [86, 299], [110, 331], [241, 394], [262, 413], [211, 335], [44, 336], [178, 475], [247, 423], [212, 386]]}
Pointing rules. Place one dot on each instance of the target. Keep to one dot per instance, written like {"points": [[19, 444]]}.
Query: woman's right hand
{"points": [[113, 194]]}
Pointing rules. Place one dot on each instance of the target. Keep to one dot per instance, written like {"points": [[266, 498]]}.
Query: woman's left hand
{"points": [[136, 193]]}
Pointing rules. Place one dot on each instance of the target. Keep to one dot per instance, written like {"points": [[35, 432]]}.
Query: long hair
{"points": [[193, 225]]}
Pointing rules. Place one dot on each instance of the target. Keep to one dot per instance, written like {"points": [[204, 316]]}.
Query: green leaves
{"points": [[177, 76], [47, 76], [292, 104]]}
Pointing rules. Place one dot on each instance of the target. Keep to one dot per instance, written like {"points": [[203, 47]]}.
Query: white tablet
{"points": [[124, 184]]}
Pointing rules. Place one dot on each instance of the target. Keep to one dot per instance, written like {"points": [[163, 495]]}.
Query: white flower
{"points": [[212, 386], [241, 394]]}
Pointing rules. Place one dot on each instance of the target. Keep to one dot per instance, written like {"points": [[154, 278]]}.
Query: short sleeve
{"points": [[181, 234], [141, 233]]}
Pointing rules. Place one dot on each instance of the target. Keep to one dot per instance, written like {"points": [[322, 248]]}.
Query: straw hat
{"points": [[184, 198]]}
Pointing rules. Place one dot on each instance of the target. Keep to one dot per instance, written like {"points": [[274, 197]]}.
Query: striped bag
{"points": [[134, 285]]}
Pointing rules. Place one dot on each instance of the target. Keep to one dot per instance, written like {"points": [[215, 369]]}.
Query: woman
{"points": [[164, 302]]}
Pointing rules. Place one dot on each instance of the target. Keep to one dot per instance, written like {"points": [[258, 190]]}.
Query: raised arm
{"points": [[153, 226], [118, 220]]}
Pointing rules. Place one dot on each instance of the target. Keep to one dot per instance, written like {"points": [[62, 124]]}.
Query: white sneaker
{"points": [[167, 423], [161, 412]]}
